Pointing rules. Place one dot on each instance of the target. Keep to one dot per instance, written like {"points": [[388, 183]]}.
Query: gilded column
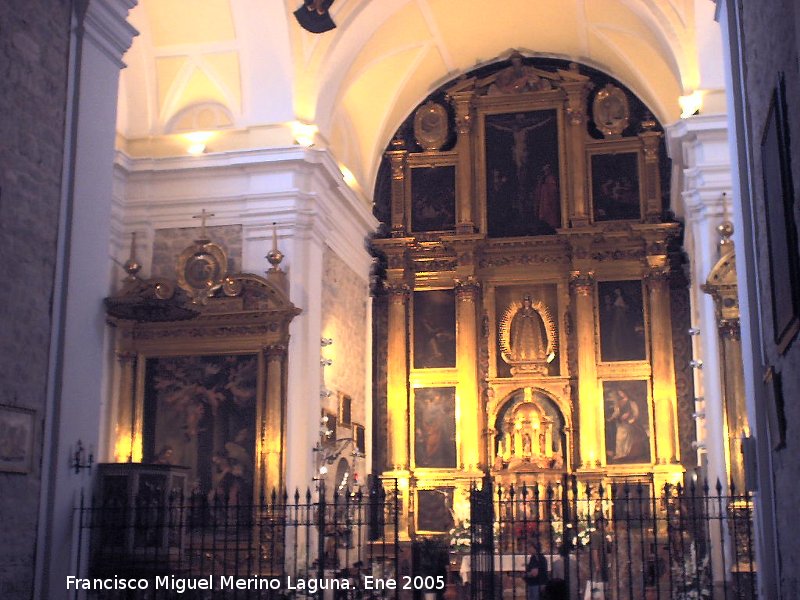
{"points": [[662, 360], [652, 175], [397, 160], [465, 221], [271, 430], [397, 377], [590, 410], [467, 291], [125, 428], [577, 92]]}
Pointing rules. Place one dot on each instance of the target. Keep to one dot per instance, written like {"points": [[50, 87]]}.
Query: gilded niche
{"points": [[527, 337]]}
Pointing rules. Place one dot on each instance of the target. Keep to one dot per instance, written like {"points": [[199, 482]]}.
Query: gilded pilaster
{"points": [[662, 360], [397, 377], [577, 93], [270, 430], [397, 159], [124, 430], [467, 294], [590, 411], [465, 221], [652, 176]]}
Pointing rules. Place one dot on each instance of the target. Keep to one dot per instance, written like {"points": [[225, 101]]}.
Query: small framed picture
{"points": [[16, 439], [328, 429], [359, 438], [345, 409]]}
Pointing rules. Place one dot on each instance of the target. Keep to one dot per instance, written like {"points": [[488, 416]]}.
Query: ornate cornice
{"points": [[105, 24]]}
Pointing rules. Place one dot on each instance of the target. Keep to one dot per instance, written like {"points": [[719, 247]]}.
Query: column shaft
{"points": [[467, 361], [664, 395], [272, 423], [590, 410], [397, 378]]}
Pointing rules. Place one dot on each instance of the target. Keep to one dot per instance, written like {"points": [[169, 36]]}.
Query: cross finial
{"points": [[203, 216]]}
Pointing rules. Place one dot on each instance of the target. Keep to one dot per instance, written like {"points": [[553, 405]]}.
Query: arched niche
{"points": [[530, 433]]}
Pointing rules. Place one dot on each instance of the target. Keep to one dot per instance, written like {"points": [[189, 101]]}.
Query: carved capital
{"points": [[467, 289], [275, 352], [657, 274], [462, 102], [398, 292], [730, 329], [126, 358], [582, 282]]}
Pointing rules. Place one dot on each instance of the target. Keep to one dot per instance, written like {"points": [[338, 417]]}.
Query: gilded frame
{"points": [[616, 147], [512, 104], [632, 467], [345, 417], [422, 160]]}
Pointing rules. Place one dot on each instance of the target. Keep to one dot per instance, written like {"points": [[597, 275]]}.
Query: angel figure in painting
{"points": [[629, 438]]}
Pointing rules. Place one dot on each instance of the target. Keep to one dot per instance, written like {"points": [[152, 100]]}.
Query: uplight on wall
{"points": [[197, 141], [348, 176], [304, 133], [690, 104]]}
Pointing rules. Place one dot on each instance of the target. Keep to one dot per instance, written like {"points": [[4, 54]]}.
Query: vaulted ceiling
{"points": [[245, 71]]}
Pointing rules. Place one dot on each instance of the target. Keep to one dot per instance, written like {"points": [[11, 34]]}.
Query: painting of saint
{"points": [[200, 413], [433, 510], [434, 329], [433, 198], [522, 176], [615, 186], [621, 321], [627, 422], [435, 427]]}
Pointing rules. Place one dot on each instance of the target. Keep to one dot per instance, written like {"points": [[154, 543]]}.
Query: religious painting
{"points": [[522, 173], [200, 412], [615, 186], [433, 198], [627, 422], [622, 332], [433, 510], [781, 229], [435, 427], [16, 439], [345, 409], [434, 329]]}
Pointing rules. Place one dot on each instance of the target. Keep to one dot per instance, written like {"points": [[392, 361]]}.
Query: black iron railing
{"points": [[624, 541], [281, 546], [620, 541]]}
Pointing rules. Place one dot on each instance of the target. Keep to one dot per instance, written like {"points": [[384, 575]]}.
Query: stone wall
{"points": [[770, 38], [33, 67], [344, 320]]}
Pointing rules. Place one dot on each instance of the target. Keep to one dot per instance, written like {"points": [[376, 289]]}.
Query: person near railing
{"points": [[535, 572]]}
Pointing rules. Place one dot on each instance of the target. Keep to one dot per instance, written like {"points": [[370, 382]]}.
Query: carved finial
{"points": [[274, 256], [203, 216], [131, 266], [725, 230], [648, 122]]}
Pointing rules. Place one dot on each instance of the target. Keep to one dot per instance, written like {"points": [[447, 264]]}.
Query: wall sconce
{"points": [[79, 459], [693, 331], [325, 393], [696, 364], [326, 362], [698, 445], [699, 415], [325, 341]]}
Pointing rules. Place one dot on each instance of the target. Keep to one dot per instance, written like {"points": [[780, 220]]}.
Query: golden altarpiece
{"points": [[528, 328], [201, 377]]}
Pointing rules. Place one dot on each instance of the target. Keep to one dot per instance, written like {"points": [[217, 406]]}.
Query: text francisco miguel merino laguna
{"points": [[212, 582]]}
